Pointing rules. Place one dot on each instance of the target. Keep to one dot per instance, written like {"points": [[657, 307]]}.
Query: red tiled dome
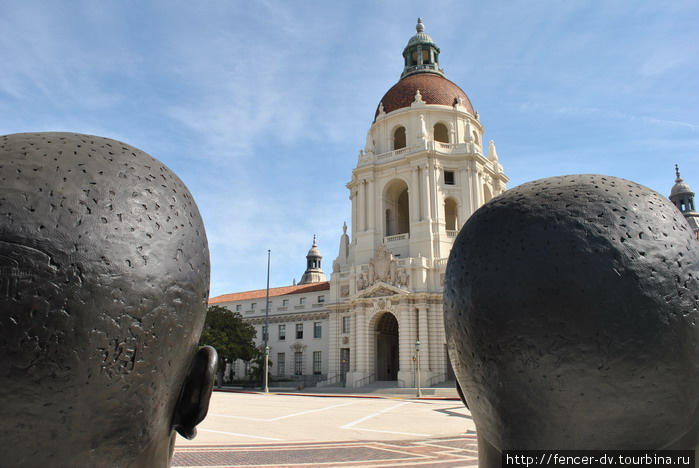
{"points": [[435, 89]]}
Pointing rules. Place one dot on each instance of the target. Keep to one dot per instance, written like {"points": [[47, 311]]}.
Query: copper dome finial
{"points": [[420, 27]]}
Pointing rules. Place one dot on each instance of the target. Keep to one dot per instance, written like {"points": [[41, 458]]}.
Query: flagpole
{"points": [[266, 334]]}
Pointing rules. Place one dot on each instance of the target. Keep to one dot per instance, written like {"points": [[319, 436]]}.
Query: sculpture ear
{"points": [[193, 403]]}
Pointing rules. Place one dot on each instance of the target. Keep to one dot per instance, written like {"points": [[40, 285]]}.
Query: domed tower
{"points": [[313, 273], [683, 198], [422, 172]]}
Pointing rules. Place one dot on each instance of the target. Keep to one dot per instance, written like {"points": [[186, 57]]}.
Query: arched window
{"points": [[475, 138], [441, 133], [397, 208], [450, 214], [399, 138]]}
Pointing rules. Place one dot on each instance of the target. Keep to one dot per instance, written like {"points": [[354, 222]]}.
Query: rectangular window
{"points": [[302, 301], [253, 305], [299, 331], [238, 307], [316, 362], [298, 363], [285, 302], [281, 358], [321, 298], [265, 335], [346, 324], [317, 329], [282, 332], [449, 177]]}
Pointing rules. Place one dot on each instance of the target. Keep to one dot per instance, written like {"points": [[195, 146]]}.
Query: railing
{"points": [[299, 307], [397, 237], [452, 233], [334, 380], [440, 261], [366, 381], [446, 146], [281, 309], [435, 379]]}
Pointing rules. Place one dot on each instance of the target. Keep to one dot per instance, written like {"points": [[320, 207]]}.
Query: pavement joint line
{"points": [[242, 435], [248, 418], [349, 425]]}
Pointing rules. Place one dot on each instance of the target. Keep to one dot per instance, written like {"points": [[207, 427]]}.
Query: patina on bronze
{"points": [[571, 319], [104, 276]]}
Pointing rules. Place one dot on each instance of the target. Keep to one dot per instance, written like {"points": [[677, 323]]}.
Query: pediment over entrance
{"points": [[380, 290]]}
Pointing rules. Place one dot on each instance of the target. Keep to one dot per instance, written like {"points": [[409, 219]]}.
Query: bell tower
{"points": [[423, 171], [682, 197]]}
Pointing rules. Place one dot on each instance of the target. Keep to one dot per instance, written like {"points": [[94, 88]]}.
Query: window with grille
{"points": [[281, 358], [316, 362], [282, 332], [299, 331], [317, 329], [298, 363]]}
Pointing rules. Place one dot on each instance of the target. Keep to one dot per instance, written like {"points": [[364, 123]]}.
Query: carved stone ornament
{"points": [[383, 268], [344, 290]]}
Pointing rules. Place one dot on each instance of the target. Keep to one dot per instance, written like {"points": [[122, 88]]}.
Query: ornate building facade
{"points": [[423, 171]]}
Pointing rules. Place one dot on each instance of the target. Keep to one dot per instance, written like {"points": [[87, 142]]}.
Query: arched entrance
{"points": [[387, 347]]}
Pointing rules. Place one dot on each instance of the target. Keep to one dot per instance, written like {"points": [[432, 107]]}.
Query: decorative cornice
{"points": [[289, 318]]}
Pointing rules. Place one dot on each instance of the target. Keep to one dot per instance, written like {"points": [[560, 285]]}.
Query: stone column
{"points": [[415, 196], [425, 192], [355, 207], [475, 190], [333, 347], [361, 343], [406, 347], [466, 207], [371, 201], [353, 344], [432, 190], [425, 351]]}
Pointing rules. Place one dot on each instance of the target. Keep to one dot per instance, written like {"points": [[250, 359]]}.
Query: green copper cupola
{"points": [[421, 54]]}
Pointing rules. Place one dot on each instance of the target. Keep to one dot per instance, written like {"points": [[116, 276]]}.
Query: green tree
{"points": [[258, 364], [232, 338]]}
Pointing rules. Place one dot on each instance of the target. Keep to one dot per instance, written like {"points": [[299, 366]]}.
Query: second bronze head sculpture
{"points": [[104, 276], [571, 309]]}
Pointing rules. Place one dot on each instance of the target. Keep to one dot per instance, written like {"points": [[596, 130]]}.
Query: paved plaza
{"points": [[274, 430]]}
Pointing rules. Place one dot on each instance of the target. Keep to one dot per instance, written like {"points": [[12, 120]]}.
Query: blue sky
{"points": [[261, 107]]}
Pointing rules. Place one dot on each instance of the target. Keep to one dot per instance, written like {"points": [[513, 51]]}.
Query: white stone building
{"points": [[298, 324], [422, 172]]}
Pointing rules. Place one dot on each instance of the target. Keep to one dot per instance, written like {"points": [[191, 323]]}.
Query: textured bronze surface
{"points": [[571, 318], [104, 275]]}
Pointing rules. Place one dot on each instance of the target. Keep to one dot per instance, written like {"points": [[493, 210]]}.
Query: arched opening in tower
{"points": [[399, 138], [396, 208], [387, 347], [450, 214], [441, 133]]}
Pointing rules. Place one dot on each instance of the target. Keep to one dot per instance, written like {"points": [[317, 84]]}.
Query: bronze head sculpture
{"points": [[571, 308], [104, 276]]}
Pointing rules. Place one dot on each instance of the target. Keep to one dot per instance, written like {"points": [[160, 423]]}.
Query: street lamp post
{"points": [[265, 335], [417, 355], [266, 367]]}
